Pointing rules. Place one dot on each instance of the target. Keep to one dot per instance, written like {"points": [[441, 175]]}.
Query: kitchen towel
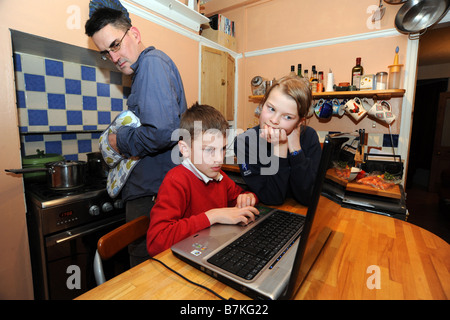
{"points": [[120, 167]]}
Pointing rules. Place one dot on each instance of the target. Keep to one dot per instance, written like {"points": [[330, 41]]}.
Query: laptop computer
{"points": [[283, 274]]}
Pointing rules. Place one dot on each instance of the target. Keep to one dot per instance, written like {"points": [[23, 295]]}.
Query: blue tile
{"points": [[72, 157], [126, 92], [54, 68], [115, 77], [58, 128], [53, 147], [34, 82], [116, 104], [95, 135], [89, 127], [73, 86], [34, 137], [74, 117], [104, 117], [84, 146], [69, 136], [89, 103], [88, 73], [56, 101], [387, 140], [23, 129], [103, 90], [17, 62], [37, 118], [21, 102]]}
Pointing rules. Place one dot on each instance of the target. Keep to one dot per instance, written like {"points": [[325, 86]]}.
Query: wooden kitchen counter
{"points": [[412, 263]]}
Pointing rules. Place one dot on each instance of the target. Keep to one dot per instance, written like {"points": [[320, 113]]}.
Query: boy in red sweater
{"points": [[197, 193]]}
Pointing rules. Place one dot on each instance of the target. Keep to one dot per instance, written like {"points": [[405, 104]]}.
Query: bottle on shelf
{"points": [[292, 71], [313, 69], [357, 72], [314, 81], [299, 70], [305, 74], [320, 83]]}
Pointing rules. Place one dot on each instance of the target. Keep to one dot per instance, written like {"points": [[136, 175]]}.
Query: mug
{"points": [[338, 108], [355, 109], [324, 109], [382, 111]]}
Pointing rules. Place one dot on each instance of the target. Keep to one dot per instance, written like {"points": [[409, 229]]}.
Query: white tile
{"points": [[103, 75], [55, 84], [90, 118], [74, 102], [23, 117], [57, 117], [72, 70], [375, 140], [33, 64], [103, 103], [20, 82], [88, 88], [116, 91], [70, 147], [36, 100], [74, 127]]}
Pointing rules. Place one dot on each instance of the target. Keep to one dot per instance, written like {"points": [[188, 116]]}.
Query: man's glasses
{"points": [[113, 48]]}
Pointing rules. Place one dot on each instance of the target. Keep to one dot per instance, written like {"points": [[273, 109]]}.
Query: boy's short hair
{"points": [[200, 118], [104, 16]]}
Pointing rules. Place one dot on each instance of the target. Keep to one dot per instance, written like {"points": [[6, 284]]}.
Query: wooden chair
{"points": [[117, 239]]}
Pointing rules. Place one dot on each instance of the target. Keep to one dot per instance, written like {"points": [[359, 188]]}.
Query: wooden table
{"points": [[365, 250]]}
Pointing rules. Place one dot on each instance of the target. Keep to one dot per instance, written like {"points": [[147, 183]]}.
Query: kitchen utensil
{"points": [[395, 1], [379, 13], [324, 109], [382, 111], [61, 175], [38, 160], [96, 166], [415, 16]]}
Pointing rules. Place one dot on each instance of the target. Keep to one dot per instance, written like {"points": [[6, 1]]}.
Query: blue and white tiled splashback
{"points": [[62, 104]]}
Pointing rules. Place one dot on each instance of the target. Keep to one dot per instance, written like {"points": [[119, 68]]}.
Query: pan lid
{"points": [[40, 158], [395, 1], [417, 15]]}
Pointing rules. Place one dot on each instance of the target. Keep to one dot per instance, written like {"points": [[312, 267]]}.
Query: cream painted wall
{"points": [[61, 20]]}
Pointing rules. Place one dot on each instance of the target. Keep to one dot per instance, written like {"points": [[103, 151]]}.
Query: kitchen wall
{"points": [[58, 101], [63, 21], [272, 35]]}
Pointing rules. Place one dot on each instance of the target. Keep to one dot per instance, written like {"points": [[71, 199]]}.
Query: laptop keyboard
{"points": [[251, 252]]}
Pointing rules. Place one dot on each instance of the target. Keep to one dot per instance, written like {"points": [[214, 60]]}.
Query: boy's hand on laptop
{"points": [[245, 199], [232, 215]]}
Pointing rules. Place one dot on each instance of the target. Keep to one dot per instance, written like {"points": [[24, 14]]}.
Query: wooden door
{"points": [[229, 108], [441, 151], [213, 81], [218, 81]]}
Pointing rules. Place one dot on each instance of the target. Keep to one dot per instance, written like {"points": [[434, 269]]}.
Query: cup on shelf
{"points": [[382, 111], [355, 109], [338, 108], [323, 109]]}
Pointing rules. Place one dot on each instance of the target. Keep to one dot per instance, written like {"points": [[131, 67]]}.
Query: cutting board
{"points": [[393, 192]]}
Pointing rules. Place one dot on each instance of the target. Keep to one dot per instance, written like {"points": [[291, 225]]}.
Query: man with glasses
{"points": [[157, 98]]}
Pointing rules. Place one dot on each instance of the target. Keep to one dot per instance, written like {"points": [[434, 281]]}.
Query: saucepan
{"points": [[96, 166], [64, 174]]}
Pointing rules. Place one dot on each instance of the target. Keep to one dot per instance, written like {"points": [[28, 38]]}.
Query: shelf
{"points": [[376, 94], [175, 11]]}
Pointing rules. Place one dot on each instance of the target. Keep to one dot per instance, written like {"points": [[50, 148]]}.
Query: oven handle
{"points": [[84, 231]]}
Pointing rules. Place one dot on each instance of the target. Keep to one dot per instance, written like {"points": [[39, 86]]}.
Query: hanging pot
{"points": [[415, 16], [61, 175], [96, 166], [38, 160]]}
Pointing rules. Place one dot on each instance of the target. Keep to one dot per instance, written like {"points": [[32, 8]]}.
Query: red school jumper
{"points": [[180, 206]]}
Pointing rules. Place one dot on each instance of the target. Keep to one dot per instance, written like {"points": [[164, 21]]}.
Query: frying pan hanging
{"points": [[415, 16]]}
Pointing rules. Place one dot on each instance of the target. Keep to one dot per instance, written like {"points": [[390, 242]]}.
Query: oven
{"points": [[64, 227]]}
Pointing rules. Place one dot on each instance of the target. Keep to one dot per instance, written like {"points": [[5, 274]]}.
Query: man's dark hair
{"points": [[104, 16]]}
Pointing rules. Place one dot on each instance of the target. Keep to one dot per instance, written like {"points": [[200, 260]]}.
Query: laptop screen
{"points": [[320, 215]]}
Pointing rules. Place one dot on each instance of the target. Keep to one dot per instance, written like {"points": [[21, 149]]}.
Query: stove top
{"points": [[47, 197]]}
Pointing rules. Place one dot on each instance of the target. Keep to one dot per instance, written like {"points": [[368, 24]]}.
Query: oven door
{"points": [[70, 256]]}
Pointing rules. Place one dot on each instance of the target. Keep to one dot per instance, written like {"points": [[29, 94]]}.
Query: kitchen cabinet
{"points": [[217, 80]]}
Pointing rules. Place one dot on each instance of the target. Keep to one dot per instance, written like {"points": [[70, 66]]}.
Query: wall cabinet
{"points": [[217, 80]]}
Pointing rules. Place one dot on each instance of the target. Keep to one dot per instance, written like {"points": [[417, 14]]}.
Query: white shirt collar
{"points": [[190, 166]]}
